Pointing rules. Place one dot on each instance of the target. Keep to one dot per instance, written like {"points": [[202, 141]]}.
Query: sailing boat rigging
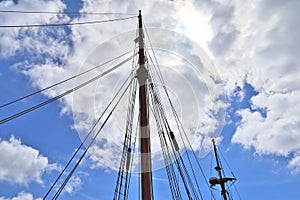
{"points": [[143, 81], [146, 85]]}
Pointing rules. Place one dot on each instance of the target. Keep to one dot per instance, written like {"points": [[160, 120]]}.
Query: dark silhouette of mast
{"points": [[221, 180], [145, 148]]}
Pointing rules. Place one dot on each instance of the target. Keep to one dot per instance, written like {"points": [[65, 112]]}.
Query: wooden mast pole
{"points": [[145, 148]]}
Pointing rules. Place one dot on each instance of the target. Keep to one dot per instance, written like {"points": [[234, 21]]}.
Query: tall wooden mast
{"points": [[145, 148]]}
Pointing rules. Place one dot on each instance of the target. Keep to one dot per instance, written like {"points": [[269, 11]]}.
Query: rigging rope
{"points": [[133, 151], [126, 157], [184, 171], [87, 148], [63, 94], [220, 152], [128, 148], [174, 111], [173, 183], [86, 137], [180, 163], [68, 79], [64, 13], [236, 190], [66, 24]]}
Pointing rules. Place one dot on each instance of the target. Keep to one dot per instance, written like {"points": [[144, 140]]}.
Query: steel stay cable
{"points": [[220, 152], [90, 144], [236, 190], [162, 143], [68, 79], [66, 24], [193, 171], [182, 177], [137, 125], [131, 162], [163, 83], [185, 170], [78, 162], [178, 122], [186, 173], [127, 142], [63, 94], [189, 178], [118, 192], [178, 157], [185, 147], [228, 190], [86, 137], [165, 149], [197, 161], [175, 152], [64, 13], [174, 178], [157, 96], [170, 169], [129, 131], [168, 164]]}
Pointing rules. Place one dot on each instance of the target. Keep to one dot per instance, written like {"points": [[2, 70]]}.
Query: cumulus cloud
{"points": [[294, 164], [264, 53], [21, 196], [58, 60], [73, 185], [253, 41], [20, 40], [277, 133], [14, 154]]}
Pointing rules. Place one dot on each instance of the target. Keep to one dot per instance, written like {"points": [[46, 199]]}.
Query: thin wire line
{"points": [[174, 111], [90, 144], [68, 79], [85, 139], [66, 13], [190, 164], [158, 113], [66, 24], [189, 182], [62, 94], [227, 164]]}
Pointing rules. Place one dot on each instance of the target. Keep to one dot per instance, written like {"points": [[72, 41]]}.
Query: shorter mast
{"points": [[219, 181]]}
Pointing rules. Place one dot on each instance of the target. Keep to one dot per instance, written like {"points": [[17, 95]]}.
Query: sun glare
{"points": [[196, 26]]}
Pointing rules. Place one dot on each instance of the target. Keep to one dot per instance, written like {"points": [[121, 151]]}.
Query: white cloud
{"points": [[264, 53], [73, 185], [14, 154], [45, 70], [294, 164], [16, 40], [252, 40], [278, 133], [21, 196]]}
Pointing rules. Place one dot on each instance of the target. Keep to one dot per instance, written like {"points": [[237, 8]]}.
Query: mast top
{"points": [[140, 19], [213, 141]]}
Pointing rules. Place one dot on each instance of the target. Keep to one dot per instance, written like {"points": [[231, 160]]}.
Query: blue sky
{"points": [[250, 94]]}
